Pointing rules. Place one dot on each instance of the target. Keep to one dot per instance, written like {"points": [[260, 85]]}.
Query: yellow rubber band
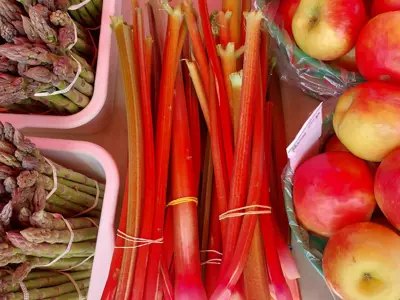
{"points": [[183, 200]]}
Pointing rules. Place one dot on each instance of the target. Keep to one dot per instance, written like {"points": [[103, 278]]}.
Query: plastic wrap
{"points": [[314, 77], [308, 142]]}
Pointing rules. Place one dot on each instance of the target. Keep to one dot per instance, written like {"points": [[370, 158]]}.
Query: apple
{"points": [[328, 29], [366, 120], [332, 190], [334, 144], [378, 48], [285, 14], [382, 6], [387, 187], [347, 61], [362, 262]]}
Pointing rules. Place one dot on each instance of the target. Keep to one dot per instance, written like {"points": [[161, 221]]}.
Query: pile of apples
{"points": [[357, 35]]}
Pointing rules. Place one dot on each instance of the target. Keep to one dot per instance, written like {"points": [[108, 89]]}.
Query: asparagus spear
{"points": [[14, 259], [54, 208], [66, 37], [83, 249], [51, 279], [7, 147], [93, 11], [81, 187], [10, 10], [60, 102], [39, 16], [84, 14], [24, 215], [10, 183], [40, 165], [62, 19], [50, 4], [7, 30], [71, 206], [49, 292], [31, 275], [7, 66], [45, 220], [41, 74], [40, 235], [5, 214], [98, 4], [62, 264], [29, 29], [18, 25], [71, 296], [9, 160]]}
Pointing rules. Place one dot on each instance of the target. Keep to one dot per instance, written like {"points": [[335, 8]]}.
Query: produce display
{"points": [[47, 55], [49, 218], [196, 218]]}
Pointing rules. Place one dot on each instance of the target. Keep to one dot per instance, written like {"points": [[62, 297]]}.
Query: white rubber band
{"points": [[55, 181], [78, 6], [80, 297], [94, 204], [69, 243], [80, 264], [212, 261], [69, 87], [211, 251], [236, 211], [24, 290], [93, 222], [140, 241]]}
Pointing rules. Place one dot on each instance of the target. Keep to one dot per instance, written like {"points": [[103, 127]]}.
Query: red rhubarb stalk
{"points": [[149, 162], [188, 284], [224, 114], [240, 175], [235, 24], [163, 142], [115, 267], [233, 270], [223, 22]]}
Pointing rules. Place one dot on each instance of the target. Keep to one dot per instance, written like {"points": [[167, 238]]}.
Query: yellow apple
{"points": [[362, 262], [328, 29]]}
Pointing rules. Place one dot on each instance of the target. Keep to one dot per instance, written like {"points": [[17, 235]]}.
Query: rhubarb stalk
{"points": [[236, 80], [188, 284], [240, 174], [149, 160], [135, 159], [235, 24], [163, 142], [223, 22]]}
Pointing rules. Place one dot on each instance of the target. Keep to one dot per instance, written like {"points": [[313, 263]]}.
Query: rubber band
{"points": [[80, 297], [93, 222], [69, 87], [55, 181], [211, 251], [140, 241], [78, 6], [68, 246], [212, 261], [94, 204], [80, 264], [235, 212], [183, 200]]}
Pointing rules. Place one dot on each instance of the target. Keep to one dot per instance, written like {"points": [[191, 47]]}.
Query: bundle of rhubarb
{"points": [[49, 218], [46, 55], [196, 220]]}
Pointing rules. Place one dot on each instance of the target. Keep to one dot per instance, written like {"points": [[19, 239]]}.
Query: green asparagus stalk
{"points": [[49, 292], [81, 187], [9, 160], [72, 296], [93, 11], [85, 14], [98, 4], [60, 102], [14, 259], [71, 206], [45, 281], [40, 165], [83, 249], [54, 208], [31, 275], [61, 18], [62, 264], [48, 221], [39, 19], [40, 235]]}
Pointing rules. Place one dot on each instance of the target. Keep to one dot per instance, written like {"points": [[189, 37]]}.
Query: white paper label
{"points": [[306, 140]]}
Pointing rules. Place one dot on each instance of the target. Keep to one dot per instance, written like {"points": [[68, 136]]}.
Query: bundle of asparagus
{"points": [[43, 59], [45, 209]]}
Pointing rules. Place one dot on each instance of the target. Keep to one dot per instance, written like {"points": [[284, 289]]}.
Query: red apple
{"points": [[334, 145], [328, 29], [382, 6], [332, 190], [387, 187], [347, 61], [362, 262], [378, 48], [367, 121], [285, 14]]}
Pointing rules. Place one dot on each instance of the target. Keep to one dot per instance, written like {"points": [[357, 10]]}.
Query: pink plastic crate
{"points": [[92, 160], [93, 117]]}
